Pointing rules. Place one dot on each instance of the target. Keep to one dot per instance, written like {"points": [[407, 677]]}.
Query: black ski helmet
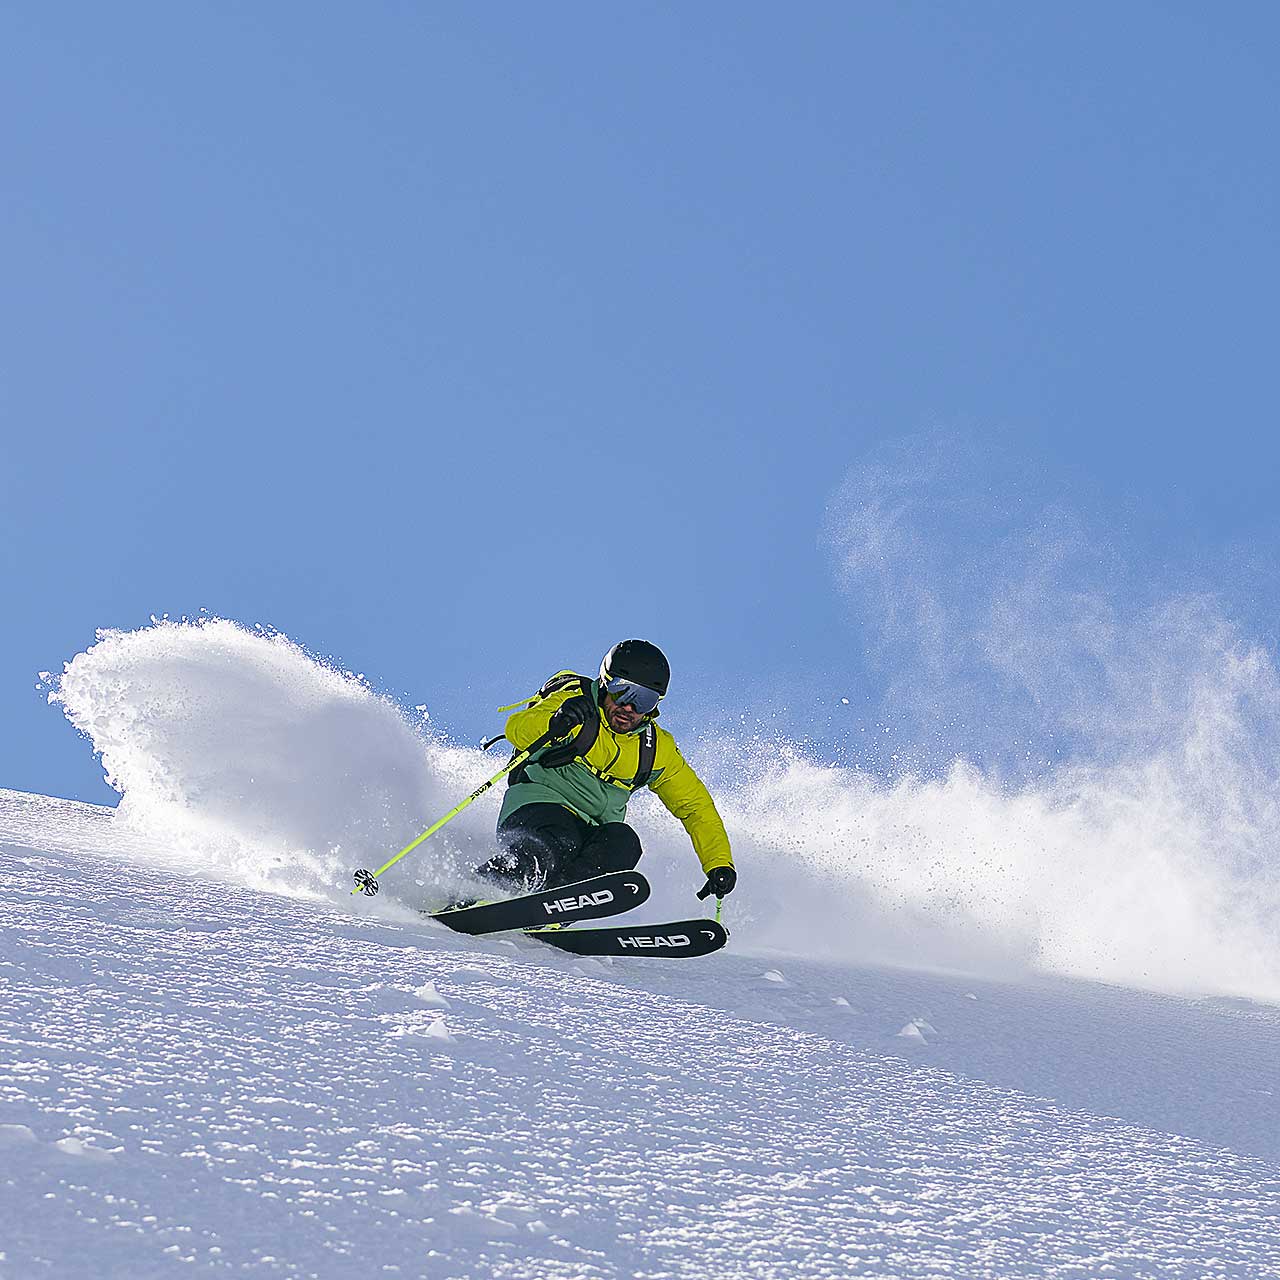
{"points": [[637, 660]]}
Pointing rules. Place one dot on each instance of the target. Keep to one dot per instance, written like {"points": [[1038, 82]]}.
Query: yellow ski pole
{"points": [[367, 881]]}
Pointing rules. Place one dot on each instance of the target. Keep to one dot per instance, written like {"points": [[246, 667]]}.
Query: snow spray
{"points": [[1150, 866]]}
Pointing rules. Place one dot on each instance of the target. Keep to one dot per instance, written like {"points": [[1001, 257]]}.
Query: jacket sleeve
{"points": [[524, 727], [686, 796]]}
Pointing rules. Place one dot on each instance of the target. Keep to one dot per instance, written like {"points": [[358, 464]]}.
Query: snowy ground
{"points": [[198, 1077]]}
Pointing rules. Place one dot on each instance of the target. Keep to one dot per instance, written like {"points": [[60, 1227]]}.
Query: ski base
{"points": [[606, 895], [679, 939]]}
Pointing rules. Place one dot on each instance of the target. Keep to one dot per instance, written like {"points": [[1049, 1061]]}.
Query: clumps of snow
{"points": [[775, 975], [436, 1032], [81, 1150], [15, 1137], [918, 1031], [428, 995], [476, 1222], [473, 973], [439, 1033]]}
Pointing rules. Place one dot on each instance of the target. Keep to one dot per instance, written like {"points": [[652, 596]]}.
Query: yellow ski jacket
{"points": [[598, 785]]}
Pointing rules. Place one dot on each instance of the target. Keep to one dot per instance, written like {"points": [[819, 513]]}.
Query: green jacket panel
{"points": [[597, 787]]}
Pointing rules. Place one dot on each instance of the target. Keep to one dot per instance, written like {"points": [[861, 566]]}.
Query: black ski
{"points": [[680, 938], [606, 895]]}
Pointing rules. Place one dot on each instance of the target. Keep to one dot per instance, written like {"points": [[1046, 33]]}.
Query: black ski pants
{"points": [[546, 845]]}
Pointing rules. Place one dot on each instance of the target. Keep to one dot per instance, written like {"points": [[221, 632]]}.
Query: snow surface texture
{"points": [[202, 1078], [213, 1059]]}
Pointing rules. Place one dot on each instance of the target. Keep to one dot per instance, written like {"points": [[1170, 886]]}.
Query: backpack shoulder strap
{"points": [[563, 680], [648, 752]]}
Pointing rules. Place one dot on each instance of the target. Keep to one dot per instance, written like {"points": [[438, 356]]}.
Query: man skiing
{"points": [[563, 815]]}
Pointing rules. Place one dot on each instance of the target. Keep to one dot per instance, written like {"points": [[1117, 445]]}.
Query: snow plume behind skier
{"points": [[563, 817], [245, 755]]}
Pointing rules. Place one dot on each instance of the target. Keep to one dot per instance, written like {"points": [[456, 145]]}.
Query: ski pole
{"points": [[367, 881]]}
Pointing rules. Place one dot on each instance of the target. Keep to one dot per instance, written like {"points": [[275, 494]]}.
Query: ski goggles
{"points": [[625, 692]]}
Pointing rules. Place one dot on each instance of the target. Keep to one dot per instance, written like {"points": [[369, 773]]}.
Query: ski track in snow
{"points": [[199, 1078]]}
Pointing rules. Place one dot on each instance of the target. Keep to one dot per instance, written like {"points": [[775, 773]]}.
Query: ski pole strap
{"points": [[524, 702], [561, 680]]}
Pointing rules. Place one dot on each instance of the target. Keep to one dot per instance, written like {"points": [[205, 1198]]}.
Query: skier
{"points": [[563, 815]]}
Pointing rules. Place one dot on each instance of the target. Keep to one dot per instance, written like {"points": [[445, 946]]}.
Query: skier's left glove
{"points": [[720, 881]]}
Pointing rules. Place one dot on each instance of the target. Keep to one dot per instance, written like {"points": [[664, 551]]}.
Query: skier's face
{"points": [[622, 718]]}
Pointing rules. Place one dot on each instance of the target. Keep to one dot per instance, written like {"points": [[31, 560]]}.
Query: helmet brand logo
{"points": [[577, 901]]}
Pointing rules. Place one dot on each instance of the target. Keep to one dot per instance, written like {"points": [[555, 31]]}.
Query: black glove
{"points": [[570, 714], [720, 881]]}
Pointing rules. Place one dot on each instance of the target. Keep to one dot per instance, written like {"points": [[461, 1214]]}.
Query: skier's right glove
{"points": [[570, 714], [720, 881]]}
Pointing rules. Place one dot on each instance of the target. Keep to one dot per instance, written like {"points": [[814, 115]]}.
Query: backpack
{"points": [[560, 754]]}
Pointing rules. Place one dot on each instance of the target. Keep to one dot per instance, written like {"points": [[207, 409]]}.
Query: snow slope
{"points": [[214, 1060], [199, 1076]]}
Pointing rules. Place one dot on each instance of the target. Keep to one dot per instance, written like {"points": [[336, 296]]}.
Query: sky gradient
{"points": [[458, 342]]}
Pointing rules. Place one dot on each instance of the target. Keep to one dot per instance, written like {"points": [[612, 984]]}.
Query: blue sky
{"points": [[459, 341]]}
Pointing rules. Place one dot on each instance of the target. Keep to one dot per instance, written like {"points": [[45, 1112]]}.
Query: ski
{"points": [[606, 895], [679, 938]]}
